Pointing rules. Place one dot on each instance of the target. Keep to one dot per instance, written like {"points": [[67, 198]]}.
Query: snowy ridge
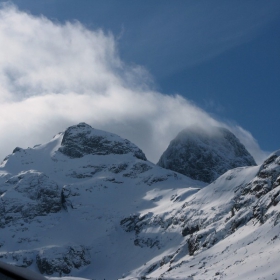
{"points": [[205, 155], [230, 229], [61, 214], [108, 214]]}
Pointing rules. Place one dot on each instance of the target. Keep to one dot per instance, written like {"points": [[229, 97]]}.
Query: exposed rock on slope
{"points": [[82, 139], [205, 155], [34, 194]]}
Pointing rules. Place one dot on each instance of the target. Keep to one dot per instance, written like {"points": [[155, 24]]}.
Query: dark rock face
{"points": [[133, 223], [264, 190], [190, 230], [20, 259], [204, 156], [59, 260], [80, 140], [138, 224], [148, 242], [137, 169], [42, 196]]}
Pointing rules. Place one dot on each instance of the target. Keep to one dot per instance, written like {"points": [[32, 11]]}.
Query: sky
{"points": [[144, 70]]}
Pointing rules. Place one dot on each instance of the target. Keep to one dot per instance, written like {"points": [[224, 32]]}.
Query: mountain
{"points": [[204, 155], [88, 204], [230, 229], [66, 205]]}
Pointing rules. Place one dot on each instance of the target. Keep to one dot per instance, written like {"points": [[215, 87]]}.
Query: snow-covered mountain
{"points": [[66, 205], [89, 204], [230, 229], [205, 154]]}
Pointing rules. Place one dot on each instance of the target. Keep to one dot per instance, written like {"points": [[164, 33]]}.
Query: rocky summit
{"points": [[82, 139], [205, 155]]}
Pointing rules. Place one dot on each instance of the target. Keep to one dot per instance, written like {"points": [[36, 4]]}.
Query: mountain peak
{"points": [[205, 154], [80, 127], [81, 139]]}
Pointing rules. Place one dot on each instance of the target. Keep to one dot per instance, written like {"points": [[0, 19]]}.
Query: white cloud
{"points": [[250, 143], [54, 75]]}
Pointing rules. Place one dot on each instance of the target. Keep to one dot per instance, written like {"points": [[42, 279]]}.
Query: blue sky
{"points": [[221, 56]]}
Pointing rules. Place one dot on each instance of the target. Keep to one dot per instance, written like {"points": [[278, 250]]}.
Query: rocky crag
{"points": [[205, 155]]}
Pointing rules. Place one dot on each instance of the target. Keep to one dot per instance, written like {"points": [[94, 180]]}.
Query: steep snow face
{"points": [[65, 205], [205, 155], [230, 229]]}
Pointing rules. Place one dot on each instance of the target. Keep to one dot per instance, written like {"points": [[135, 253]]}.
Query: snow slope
{"points": [[231, 229], [62, 204], [88, 204]]}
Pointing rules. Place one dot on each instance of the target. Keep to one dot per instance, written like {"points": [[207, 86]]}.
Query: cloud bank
{"points": [[55, 75]]}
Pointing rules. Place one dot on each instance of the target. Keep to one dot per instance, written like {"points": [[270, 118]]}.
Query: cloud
{"points": [[55, 75]]}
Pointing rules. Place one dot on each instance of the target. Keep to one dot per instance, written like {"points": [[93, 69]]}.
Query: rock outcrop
{"points": [[80, 140], [205, 155]]}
